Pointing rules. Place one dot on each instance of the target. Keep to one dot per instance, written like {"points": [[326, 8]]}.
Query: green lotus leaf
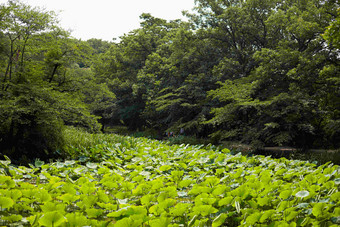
{"points": [[177, 175], [76, 219], [182, 193], [291, 215], [319, 209], [94, 213], [6, 182], [253, 218], [180, 209], [219, 220], [102, 196], [335, 196], [124, 222], [212, 181], [33, 220], [107, 206], [38, 163], [266, 215], [6, 202], [337, 211], [204, 210], [79, 170], [167, 203], [83, 158], [92, 165], [89, 201], [285, 194], [146, 200], [118, 213], [196, 190], [253, 204], [68, 198], [120, 195], [69, 162], [137, 210], [183, 165], [282, 206], [160, 222], [43, 196], [226, 201], [155, 209], [15, 194], [263, 201], [123, 201], [52, 219], [329, 184], [185, 183], [219, 171], [164, 168], [302, 194], [204, 199], [302, 205], [51, 206], [182, 184], [157, 184], [12, 218], [192, 221], [69, 188]]}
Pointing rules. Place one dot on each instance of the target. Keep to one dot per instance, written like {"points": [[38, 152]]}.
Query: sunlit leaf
{"points": [[38, 163], [94, 213], [6, 202], [219, 220], [76, 219], [91, 165], [54, 218], [302, 194], [318, 209], [253, 218], [12, 218], [285, 194]]}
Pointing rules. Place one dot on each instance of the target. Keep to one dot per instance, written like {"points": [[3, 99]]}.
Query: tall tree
{"points": [[37, 78], [285, 89], [121, 64]]}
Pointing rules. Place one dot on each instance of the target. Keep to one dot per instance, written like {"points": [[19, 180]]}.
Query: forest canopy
{"points": [[260, 72]]}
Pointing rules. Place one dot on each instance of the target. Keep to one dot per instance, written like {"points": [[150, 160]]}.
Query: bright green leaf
{"points": [[302, 194], [6, 202], [52, 219]]}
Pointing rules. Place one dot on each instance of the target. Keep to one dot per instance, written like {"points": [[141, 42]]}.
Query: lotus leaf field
{"points": [[125, 181]]}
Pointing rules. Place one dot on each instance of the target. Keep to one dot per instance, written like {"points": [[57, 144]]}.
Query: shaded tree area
{"points": [[43, 87], [256, 71], [260, 72]]}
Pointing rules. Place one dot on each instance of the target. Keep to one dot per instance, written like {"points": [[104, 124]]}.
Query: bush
{"points": [[29, 126]]}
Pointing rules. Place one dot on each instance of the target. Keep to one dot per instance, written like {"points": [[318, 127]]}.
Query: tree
{"points": [[120, 65], [36, 73], [286, 87], [20, 23], [177, 78]]}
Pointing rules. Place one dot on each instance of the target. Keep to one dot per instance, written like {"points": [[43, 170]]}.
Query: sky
{"points": [[108, 19]]}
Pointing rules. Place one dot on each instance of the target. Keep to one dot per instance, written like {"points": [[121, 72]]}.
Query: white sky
{"points": [[108, 19]]}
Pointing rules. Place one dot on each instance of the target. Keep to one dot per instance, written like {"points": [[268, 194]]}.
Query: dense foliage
{"points": [[42, 86], [260, 72], [124, 181], [256, 71]]}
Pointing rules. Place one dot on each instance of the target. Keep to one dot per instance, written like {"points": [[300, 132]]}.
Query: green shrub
{"points": [[30, 126]]}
